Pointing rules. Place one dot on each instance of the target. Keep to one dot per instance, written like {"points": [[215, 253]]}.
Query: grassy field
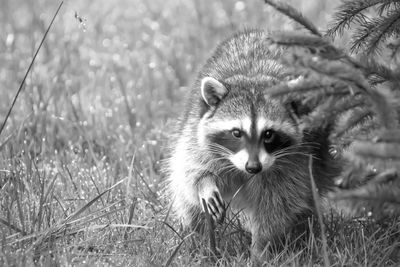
{"points": [[80, 156]]}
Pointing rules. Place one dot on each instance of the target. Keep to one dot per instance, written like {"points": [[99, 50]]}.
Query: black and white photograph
{"points": [[200, 133]]}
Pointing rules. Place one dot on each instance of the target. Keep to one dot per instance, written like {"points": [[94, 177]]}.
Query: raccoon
{"points": [[237, 145]]}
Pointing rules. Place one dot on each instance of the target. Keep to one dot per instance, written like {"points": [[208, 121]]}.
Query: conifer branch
{"points": [[356, 120], [295, 15], [387, 6], [370, 32], [354, 94], [348, 12], [373, 32]]}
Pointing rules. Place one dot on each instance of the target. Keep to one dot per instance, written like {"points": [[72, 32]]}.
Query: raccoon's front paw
{"points": [[215, 205]]}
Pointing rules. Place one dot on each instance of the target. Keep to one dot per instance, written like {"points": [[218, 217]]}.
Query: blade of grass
{"points": [[11, 226], [89, 218], [171, 258], [90, 203], [131, 212], [63, 224], [29, 68], [317, 202]]}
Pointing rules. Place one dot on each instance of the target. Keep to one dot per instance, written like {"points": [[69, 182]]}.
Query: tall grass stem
{"points": [[29, 68]]}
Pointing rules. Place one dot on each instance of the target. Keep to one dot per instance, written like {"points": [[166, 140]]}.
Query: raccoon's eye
{"points": [[269, 136], [236, 133]]}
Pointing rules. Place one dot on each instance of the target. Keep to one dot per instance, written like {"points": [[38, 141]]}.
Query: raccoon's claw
{"points": [[216, 207]]}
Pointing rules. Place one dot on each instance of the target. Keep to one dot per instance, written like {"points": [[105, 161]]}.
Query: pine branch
{"points": [[299, 86], [345, 73], [379, 195], [316, 45], [372, 192], [348, 12], [338, 88], [389, 136], [395, 47], [375, 196], [322, 72], [373, 32], [378, 73], [292, 13], [387, 26], [357, 118], [365, 149], [389, 5]]}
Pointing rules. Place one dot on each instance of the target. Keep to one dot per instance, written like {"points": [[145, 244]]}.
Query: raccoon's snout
{"points": [[253, 167]]}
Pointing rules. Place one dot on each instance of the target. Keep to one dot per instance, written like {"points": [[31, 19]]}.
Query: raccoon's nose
{"points": [[253, 167]]}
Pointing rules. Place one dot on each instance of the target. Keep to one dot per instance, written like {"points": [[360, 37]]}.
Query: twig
{"points": [[29, 68]]}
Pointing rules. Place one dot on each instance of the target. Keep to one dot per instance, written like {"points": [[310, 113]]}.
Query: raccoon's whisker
{"points": [[218, 147], [306, 144], [220, 153], [215, 160], [281, 162], [280, 155], [229, 169], [309, 143], [287, 152], [303, 145], [294, 148], [283, 154]]}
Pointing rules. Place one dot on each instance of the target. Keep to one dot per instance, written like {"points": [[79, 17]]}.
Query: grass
{"points": [[80, 179]]}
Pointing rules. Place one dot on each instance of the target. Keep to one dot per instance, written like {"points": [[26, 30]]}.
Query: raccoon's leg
{"points": [[258, 243], [265, 237], [209, 191]]}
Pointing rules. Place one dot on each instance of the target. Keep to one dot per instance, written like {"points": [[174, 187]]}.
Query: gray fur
{"points": [[275, 199]]}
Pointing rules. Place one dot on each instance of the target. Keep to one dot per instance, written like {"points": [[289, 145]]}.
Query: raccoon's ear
{"points": [[212, 91]]}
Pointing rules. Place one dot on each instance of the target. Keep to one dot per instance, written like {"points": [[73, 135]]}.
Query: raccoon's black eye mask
{"points": [[271, 140], [275, 140]]}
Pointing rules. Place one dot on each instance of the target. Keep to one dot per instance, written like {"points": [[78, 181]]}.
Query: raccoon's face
{"points": [[244, 126]]}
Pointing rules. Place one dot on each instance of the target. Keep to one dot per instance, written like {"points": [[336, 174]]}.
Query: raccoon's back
{"points": [[249, 54]]}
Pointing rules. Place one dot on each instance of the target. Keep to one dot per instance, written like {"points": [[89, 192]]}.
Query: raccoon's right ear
{"points": [[212, 91]]}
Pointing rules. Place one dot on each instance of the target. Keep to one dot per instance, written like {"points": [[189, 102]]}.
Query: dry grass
{"points": [[80, 180]]}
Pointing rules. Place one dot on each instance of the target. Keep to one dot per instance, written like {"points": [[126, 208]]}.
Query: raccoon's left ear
{"points": [[212, 91]]}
